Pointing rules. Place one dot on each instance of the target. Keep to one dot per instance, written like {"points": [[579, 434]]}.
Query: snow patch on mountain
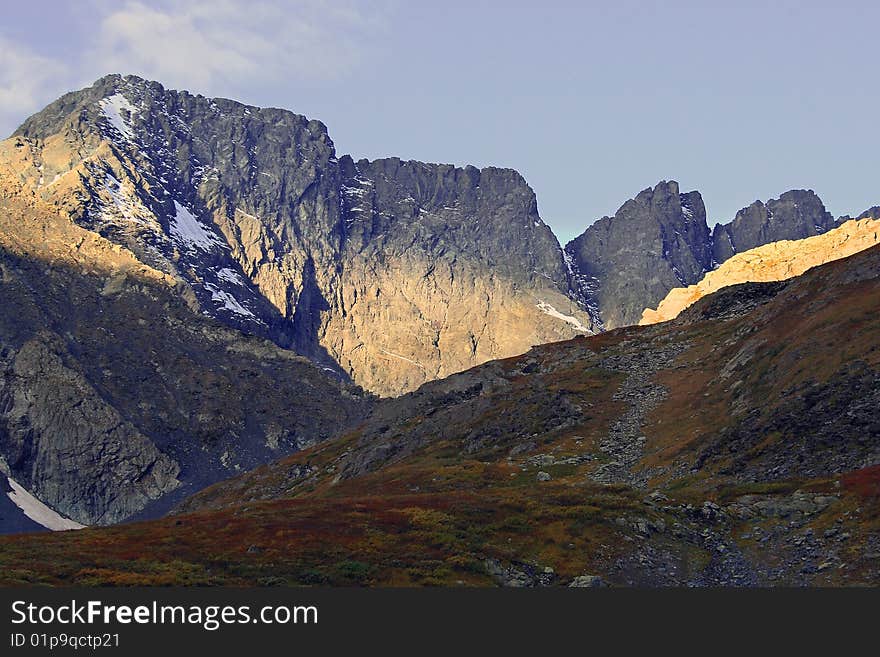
{"points": [[228, 302], [125, 205], [37, 511], [112, 108], [353, 191], [583, 290], [547, 309], [230, 276], [189, 233]]}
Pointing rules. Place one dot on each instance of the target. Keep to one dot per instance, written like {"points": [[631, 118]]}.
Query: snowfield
{"points": [[189, 233], [547, 309], [111, 108], [37, 511]]}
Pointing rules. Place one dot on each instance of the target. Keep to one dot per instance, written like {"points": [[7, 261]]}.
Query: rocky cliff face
{"points": [[634, 258], [776, 261], [794, 215], [389, 273], [443, 268], [654, 242], [181, 180]]}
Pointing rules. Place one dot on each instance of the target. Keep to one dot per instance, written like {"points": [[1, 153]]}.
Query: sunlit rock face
{"points": [[776, 261], [119, 389]]}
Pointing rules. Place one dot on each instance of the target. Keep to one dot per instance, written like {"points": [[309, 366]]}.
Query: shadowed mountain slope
{"points": [[116, 394]]}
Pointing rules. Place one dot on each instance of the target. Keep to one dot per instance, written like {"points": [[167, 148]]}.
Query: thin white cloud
{"points": [[208, 45], [214, 47], [26, 80]]}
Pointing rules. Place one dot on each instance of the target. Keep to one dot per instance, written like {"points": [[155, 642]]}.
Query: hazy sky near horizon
{"points": [[590, 101]]}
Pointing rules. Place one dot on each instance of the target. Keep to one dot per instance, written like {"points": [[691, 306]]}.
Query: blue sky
{"points": [[590, 101]]}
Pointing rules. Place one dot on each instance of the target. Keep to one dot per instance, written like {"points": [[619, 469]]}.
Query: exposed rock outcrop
{"points": [[794, 215], [442, 268], [776, 261], [630, 261], [656, 241]]}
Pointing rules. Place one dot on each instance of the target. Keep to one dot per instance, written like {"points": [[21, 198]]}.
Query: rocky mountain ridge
{"points": [[661, 240], [390, 273], [165, 259], [775, 261]]}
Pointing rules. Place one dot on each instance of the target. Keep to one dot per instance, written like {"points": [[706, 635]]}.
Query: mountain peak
{"points": [[667, 187], [276, 236], [775, 261], [796, 214], [152, 98], [656, 240]]}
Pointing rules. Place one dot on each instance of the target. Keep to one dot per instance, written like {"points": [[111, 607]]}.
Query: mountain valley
{"points": [[734, 445], [264, 362]]}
